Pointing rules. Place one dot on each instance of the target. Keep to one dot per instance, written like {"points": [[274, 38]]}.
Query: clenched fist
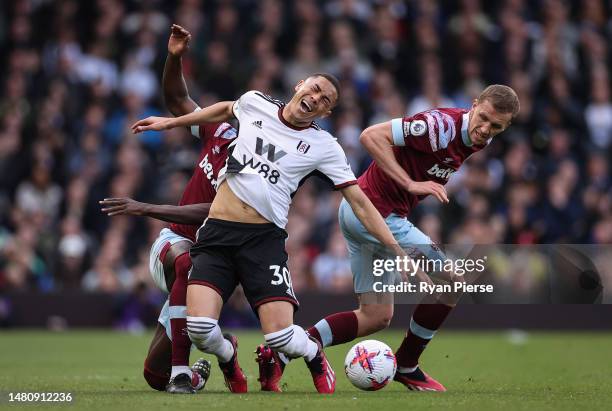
{"points": [[178, 42]]}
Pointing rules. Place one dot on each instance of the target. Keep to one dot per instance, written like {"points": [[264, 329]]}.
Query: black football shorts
{"points": [[229, 253]]}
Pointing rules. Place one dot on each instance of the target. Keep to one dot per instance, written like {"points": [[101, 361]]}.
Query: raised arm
{"points": [[212, 114], [378, 141], [192, 214], [176, 95]]}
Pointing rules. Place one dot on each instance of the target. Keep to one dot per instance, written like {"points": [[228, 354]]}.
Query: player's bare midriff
{"points": [[227, 206]]}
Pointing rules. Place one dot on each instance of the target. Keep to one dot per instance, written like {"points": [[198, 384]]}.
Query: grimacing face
{"points": [[486, 122], [314, 98]]}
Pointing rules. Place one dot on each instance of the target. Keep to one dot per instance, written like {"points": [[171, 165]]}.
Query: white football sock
{"points": [[180, 369], [293, 342], [205, 333], [407, 370]]}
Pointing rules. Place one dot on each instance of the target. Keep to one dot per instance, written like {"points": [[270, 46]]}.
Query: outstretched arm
{"points": [[176, 95], [193, 214], [212, 114], [378, 141]]}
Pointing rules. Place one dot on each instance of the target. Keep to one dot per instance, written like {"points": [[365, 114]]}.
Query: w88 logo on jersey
{"points": [[265, 170]]}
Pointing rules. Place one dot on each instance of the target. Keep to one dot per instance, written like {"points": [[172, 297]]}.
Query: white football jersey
{"points": [[271, 158]]}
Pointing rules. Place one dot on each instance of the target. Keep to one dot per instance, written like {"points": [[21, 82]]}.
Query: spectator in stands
{"points": [[68, 94]]}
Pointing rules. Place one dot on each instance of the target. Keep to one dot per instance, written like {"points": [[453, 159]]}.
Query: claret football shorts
{"points": [[229, 253]]}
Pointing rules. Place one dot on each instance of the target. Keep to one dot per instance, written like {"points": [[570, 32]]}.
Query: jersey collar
{"points": [[288, 124], [464, 129]]}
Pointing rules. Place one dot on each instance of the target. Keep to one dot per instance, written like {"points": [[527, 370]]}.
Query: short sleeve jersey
{"points": [[430, 146], [271, 158], [202, 187]]}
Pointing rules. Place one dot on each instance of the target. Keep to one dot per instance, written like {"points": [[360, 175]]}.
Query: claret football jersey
{"points": [[430, 146], [202, 187]]}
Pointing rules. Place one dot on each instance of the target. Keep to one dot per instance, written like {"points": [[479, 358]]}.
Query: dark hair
{"points": [[332, 79], [502, 98]]}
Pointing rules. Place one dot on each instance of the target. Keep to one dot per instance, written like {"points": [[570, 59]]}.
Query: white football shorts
{"points": [[160, 246]]}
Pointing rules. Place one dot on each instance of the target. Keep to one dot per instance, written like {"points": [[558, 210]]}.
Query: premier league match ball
{"points": [[370, 365]]}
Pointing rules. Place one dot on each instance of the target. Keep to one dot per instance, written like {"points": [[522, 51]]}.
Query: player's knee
{"points": [[377, 317], [156, 379], [203, 301], [291, 341], [383, 322], [275, 315], [182, 265], [379, 321]]}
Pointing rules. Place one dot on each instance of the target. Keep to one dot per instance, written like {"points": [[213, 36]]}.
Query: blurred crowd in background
{"points": [[76, 74]]}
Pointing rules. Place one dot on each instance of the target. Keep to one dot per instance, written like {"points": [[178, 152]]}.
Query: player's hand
{"points": [[179, 39], [123, 206], [428, 187], [152, 123]]}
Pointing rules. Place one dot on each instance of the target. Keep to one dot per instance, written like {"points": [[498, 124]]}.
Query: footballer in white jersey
{"points": [[271, 157], [243, 240]]}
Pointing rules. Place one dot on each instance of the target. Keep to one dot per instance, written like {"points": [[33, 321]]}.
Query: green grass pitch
{"points": [[103, 370]]}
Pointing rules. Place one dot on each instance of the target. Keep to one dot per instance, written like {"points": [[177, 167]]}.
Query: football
{"points": [[370, 365]]}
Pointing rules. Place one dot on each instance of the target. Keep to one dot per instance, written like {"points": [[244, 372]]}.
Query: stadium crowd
{"points": [[77, 74]]}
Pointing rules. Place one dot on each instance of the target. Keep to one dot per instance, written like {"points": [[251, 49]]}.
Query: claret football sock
{"points": [[425, 321], [335, 329], [181, 344]]}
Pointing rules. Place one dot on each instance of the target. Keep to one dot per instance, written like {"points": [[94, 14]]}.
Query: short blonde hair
{"points": [[502, 98]]}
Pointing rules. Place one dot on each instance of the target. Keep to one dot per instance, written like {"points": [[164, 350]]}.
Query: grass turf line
{"points": [[103, 369]]}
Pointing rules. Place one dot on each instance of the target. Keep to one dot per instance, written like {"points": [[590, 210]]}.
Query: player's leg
{"points": [[157, 368], [282, 336], [177, 264], [426, 319], [374, 316], [203, 308], [211, 283], [375, 309], [169, 265], [266, 281], [342, 327], [157, 364]]}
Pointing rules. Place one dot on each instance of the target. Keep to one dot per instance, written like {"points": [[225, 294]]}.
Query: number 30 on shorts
{"points": [[282, 278], [279, 277]]}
